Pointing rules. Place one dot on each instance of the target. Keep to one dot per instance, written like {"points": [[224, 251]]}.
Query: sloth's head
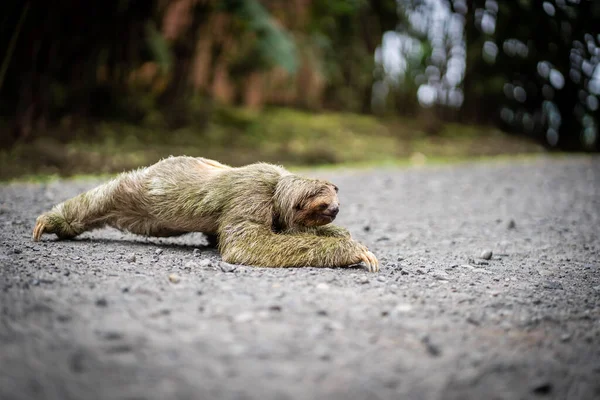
{"points": [[305, 202]]}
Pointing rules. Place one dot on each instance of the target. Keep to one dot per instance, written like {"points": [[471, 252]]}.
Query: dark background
{"points": [[529, 68]]}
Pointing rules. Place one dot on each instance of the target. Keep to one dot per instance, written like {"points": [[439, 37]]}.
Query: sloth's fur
{"points": [[260, 214]]}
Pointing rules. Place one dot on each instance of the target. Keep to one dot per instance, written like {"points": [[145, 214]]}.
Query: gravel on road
{"points": [[489, 288]]}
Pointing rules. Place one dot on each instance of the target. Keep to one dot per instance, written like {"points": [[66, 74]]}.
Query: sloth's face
{"points": [[318, 208]]}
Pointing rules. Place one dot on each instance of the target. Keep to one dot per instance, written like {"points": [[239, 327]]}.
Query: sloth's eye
{"points": [[323, 206]]}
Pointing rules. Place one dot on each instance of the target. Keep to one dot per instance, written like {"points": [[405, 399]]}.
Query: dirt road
{"points": [[98, 317]]}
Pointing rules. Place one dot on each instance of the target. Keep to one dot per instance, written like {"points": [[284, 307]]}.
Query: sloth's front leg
{"points": [[249, 243]]}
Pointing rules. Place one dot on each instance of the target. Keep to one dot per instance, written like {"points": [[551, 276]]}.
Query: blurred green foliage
{"points": [[239, 136]]}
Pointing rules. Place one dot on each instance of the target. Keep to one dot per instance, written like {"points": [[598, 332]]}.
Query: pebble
{"points": [[323, 354], [196, 253], [553, 285], [402, 308], [322, 286], [363, 280], [511, 224], [174, 278], [431, 348], [158, 252], [441, 276], [205, 263], [226, 267], [486, 254], [130, 258], [111, 335], [102, 302], [542, 387], [244, 317], [381, 278], [76, 362]]}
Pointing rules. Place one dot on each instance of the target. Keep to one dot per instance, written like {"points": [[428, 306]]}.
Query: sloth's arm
{"points": [[249, 243], [332, 231], [325, 230]]}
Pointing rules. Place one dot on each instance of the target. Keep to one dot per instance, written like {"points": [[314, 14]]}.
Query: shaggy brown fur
{"points": [[259, 214]]}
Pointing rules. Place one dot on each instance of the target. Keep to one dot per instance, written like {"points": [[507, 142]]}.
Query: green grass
{"points": [[235, 136]]}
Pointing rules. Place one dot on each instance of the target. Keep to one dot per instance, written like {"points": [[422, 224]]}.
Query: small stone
{"points": [[111, 335], [275, 307], [130, 258], [486, 254], [196, 253], [174, 278], [381, 278], [363, 280], [158, 252], [76, 362], [322, 313], [565, 337], [431, 348], [473, 321], [226, 267], [244, 317], [63, 318], [403, 272], [553, 285], [511, 224], [323, 354], [205, 263], [322, 286], [441, 276], [402, 308], [542, 387], [102, 302], [366, 228]]}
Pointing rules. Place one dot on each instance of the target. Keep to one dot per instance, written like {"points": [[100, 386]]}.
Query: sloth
{"points": [[259, 214]]}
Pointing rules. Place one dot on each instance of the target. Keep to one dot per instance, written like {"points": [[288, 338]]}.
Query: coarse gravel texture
{"points": [[117, 316]]}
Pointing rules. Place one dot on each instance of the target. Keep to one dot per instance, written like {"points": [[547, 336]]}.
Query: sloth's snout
{"points": [[333, 210]]}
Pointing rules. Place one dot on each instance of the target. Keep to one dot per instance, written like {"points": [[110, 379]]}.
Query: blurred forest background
{"points": [[106, 85]]}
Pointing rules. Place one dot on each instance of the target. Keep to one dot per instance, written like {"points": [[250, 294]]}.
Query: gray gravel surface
{"points": [[489, 288]]}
